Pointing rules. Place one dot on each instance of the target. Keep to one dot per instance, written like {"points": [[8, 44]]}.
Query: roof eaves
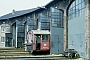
{"points": [[29, 12], [47, 5], [26, 12], [51, 3], [19, 13]]}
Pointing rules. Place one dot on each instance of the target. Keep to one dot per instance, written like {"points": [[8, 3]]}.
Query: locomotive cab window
{"points": [[44, 37]]}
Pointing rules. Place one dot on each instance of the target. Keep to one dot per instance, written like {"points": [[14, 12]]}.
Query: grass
{"points": [[13, 52], [26, 54]]}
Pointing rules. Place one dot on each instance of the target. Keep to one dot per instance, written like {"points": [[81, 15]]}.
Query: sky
{"points": [[6, 6]]}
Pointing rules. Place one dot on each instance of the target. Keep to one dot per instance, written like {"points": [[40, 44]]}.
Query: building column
{"points": [[12, 36], [27, 28], [25, 32], [16, 33], [87, 29], [65, 30]]}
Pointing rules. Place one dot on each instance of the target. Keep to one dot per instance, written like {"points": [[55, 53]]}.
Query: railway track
{"points": [[20, 54], [38, 57]]}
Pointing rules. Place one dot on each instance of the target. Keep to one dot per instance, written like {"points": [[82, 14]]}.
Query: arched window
{"points": [[57, 17], [76, 9]]}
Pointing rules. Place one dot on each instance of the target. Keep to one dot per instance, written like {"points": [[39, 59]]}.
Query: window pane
{"points": [[73, 4], [83, 5], [79, 1], [70, 6], [76, 2], [71, 16], [73, 9], [83, 11], [2, 39], [77, 8], [80, 12], [82, 0], [52, 9], [44, 37], [77, 13], [80, 6]]}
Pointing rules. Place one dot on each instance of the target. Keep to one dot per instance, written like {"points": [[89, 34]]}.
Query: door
{"points": [[54, 44], [8, 40], [56, 27], [76, 34]]}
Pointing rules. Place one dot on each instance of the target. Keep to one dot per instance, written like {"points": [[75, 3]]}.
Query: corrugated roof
{"points": [[22, 12], [18, 13]]}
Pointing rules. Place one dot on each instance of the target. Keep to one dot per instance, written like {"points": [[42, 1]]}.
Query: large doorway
{"points": [[8, 40], [76, 26], [56, 28]]}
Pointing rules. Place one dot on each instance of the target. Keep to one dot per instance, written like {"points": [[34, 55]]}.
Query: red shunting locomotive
{"points": [[40, 40]]}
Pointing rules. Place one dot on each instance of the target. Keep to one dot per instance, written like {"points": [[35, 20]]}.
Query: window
{"points": [[57, 18], [76, 9], [31, 24], [7, 29], [2, 39], [45, 37], [3, 28], [45, 22], [21, 28]]}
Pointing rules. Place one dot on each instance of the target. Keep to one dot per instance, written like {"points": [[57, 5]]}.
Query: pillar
{"points": [[16, 33], [65, 30], [87, 29]]}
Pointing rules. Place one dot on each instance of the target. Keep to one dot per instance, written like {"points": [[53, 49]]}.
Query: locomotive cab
{"points": [[45, 42], [41, 40]]}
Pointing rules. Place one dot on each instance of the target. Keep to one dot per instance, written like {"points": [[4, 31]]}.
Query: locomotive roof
{"points": [[41, 31]]}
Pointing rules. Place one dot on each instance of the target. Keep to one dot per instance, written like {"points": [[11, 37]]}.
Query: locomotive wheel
{"points": [[70, 55], [77, 55]]}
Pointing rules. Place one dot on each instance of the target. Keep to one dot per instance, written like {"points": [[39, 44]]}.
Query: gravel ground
{"points": [[54, 58]]}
